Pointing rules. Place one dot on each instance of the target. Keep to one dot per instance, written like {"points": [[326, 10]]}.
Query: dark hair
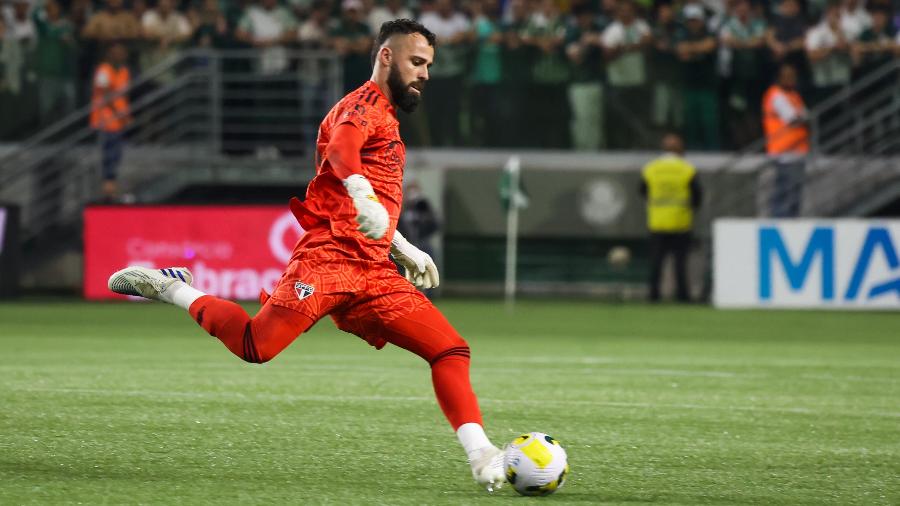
{"points": [[405, 26]]}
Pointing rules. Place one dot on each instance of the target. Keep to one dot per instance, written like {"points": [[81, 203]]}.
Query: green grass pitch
{"points": [[132, 403]]}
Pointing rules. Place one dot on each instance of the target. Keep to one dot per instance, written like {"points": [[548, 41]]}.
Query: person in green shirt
{"points": [[516, 58], [54, 62], [586, 88], [874, 49], [444, 102], [487, 71], [875, 46], [351, 38], [625, 44], [696, 50], [549, 105], [744, 37], [665, 72]]}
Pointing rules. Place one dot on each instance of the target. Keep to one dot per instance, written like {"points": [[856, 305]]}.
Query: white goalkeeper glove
{"points": [[420, 268], [370, 214]]}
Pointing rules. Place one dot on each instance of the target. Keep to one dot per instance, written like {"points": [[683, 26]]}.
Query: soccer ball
{"points": [[536, 464]]}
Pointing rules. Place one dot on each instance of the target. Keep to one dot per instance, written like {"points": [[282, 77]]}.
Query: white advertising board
{"points": [[805, 263]]}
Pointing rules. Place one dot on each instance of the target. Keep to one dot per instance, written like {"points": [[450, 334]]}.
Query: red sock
{"points": [[450, 376], [429, 335], [256, 339]]}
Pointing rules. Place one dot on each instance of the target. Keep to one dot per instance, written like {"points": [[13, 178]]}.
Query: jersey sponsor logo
{"points": [[303, 290]]}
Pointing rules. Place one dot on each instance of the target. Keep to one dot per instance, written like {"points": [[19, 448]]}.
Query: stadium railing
{"points": [[854, 152], [195, 109]]}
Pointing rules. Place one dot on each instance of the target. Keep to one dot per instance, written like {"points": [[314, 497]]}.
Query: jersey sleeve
{"points": [[362, 115]]}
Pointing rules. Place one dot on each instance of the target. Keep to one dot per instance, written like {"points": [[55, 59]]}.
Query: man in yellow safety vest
{"points": [[669, 184]]}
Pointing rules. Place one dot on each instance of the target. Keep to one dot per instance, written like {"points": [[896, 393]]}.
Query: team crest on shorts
{"points": [[303, 290]]}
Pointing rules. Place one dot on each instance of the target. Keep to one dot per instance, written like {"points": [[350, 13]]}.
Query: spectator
{"points": [[586, 88], [113, 23], [624, 44], [389, 11], [16, 58], [486, 118], [5, 99], [607, 14], [443, 101], [139, 8], [110, 114], [854, 19], [516, 58], [418, 222], [743, 35], [208, 25], [17, 48], [785, 36], [268, 27], [54, 62], [165, 30], [80, 11], [352, 40], [696, 50], [787, 141], [313, 33], [828, 50], [673, 193], [874, 49], [875, 45], [668, 103], [301, 9], [546, 31]]}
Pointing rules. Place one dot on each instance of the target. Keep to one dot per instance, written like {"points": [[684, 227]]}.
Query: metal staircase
{"points": [[854, 159], [197, 116]]}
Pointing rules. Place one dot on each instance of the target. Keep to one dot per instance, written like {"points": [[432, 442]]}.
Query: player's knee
{"points": [[456, 350], [259, 359], [263, 351], [256, 350]]}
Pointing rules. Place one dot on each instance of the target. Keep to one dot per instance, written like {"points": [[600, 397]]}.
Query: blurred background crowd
{"points": [[567, 74]]}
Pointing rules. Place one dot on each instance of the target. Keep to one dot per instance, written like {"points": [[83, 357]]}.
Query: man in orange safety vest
{"points": [[787, 141], [110, 113]]}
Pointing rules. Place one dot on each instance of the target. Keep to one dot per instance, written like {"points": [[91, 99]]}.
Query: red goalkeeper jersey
{"points": [[328, 212]]}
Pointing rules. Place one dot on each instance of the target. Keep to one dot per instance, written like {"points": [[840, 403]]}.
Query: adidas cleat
{"points": [[487, 468], [148, 283]]}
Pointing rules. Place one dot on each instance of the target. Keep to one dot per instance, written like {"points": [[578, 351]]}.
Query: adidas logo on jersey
{"points": [[303, 290]]}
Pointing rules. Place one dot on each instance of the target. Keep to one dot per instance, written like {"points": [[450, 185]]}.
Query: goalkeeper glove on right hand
{"points": [[370, 214]]}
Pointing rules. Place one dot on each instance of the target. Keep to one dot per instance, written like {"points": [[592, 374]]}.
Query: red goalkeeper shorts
{"points": [[361, 296]]}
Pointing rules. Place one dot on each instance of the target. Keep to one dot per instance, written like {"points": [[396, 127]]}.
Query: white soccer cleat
{"points": [[151, 284], [487, 468]]}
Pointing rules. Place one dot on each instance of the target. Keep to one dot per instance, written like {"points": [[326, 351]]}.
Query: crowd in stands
{"points": [[582, 74]]}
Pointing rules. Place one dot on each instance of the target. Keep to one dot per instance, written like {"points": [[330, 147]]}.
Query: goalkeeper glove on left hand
{"points": [[420, 268]]}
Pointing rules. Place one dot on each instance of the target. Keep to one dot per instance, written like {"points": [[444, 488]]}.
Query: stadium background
{"points": [[125, 402]]}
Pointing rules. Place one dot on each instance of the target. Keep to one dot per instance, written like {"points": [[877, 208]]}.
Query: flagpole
{"points": [[512, 231]]}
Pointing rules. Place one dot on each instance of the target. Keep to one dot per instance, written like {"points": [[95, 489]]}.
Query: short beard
{"points": [[406, 100]]}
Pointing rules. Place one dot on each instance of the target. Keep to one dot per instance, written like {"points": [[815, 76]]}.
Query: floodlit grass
{"points": [[132, 403]]}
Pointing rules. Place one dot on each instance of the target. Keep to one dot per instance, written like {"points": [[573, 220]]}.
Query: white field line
{"points": [[309, 369], [383, 398]]}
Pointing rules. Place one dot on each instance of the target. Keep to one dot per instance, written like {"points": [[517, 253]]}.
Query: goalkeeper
{"points": [[340, 267]]}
